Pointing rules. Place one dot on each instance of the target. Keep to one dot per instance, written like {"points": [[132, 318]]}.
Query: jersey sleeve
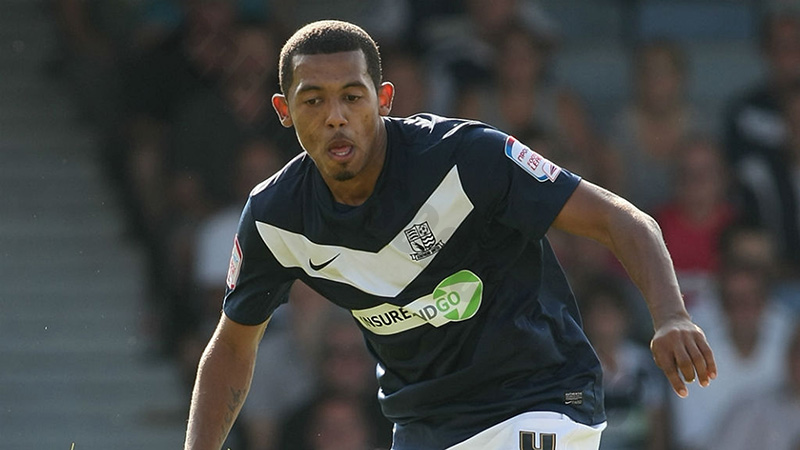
{"points": [[519, 187], [256, 284]]}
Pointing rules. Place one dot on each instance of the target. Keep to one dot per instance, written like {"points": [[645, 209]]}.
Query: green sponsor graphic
{"points": [[458, 296]]}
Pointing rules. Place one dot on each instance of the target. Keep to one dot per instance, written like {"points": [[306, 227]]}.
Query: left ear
{"points": [[385, 98]]}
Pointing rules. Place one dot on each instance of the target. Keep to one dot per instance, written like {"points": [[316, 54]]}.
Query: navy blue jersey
{"points": [[446, 270]]}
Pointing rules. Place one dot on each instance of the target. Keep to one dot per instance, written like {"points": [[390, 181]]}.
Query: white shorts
{"points": [[537, 430]]}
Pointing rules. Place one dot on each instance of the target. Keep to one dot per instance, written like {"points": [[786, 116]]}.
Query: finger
{"points": [[684, 362], [699, 362], [708, 355], [670, 370]]}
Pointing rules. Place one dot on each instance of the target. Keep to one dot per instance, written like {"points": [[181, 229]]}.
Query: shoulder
{"points": [[430, 128], [282, 187]]}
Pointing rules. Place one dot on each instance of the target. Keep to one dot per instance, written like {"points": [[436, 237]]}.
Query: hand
{"points": [[680, 349]]}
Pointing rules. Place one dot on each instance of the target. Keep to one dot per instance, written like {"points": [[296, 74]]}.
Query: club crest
{"points": [[422, 241]]}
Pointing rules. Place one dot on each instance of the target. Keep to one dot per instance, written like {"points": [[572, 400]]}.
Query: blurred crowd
{"points": [[179, 91]]}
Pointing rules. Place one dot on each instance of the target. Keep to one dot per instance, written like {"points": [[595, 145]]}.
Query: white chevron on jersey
{"points": [[387, 272]]}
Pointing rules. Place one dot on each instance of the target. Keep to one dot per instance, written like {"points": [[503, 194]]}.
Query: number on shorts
{"points": [[527, 441]]}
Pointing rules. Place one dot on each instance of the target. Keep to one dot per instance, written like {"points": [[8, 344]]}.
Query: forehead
{"points": [[329, 70]]}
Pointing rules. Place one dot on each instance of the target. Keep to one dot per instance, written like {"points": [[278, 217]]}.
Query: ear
{"points": [[282, 109], [385, 98]]}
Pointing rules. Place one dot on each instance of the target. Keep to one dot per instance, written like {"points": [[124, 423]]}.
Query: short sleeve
{"points": [[256, 283], [520, 187]]}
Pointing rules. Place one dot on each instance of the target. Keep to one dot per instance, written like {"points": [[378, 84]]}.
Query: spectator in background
{"points": [[207, 135], [771, 418], [693, 220], [648, 131], [635, 390], [338, 423], [754, 125], [750, 245], [158, 83], [212, 125], [771, 179], [347, 371], [282, 383], [407, 72], [210, 251], [519, 95], [290, 374], [462, 49], [750, 334], [388, 21]]}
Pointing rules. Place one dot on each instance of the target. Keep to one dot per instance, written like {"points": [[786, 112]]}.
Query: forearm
{"points": [[637, 242], [223, 380]]}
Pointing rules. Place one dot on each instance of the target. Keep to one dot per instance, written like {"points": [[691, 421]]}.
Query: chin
{"points": [[345, 175]]}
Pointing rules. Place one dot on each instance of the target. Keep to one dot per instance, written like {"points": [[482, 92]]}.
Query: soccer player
{"points": [[431, 232]]}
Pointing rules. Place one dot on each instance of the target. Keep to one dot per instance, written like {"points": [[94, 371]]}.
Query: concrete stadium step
{"points": [[76, 360]]}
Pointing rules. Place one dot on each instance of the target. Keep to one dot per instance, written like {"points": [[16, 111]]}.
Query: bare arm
{"points": [[223, 380], [678, 346]]}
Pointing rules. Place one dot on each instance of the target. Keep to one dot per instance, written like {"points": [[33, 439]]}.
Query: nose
{"points": [[336, 115]]}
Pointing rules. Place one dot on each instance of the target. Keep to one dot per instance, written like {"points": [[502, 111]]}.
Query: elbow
{"points": [[633, 224], [650, 224]]}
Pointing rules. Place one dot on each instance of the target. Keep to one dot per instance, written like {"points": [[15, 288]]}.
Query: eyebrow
{"points": [[312, 87]]}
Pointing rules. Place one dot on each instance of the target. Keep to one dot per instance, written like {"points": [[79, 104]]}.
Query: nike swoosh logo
{"points": [[323, 265]]}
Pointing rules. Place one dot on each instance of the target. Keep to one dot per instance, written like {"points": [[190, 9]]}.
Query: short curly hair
{"points": [[325, 37]]}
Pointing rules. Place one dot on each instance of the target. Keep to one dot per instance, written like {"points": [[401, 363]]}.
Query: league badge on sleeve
{"points": [[235, 264], [535, 164]]}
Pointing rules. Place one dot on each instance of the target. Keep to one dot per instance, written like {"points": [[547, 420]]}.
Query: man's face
{"points": [[335, 110], [784, 50]]}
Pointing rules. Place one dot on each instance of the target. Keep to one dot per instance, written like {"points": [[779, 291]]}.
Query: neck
{"points": [[744, 341]]}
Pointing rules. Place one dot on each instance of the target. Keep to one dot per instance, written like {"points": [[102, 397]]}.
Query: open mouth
{"points": [[341, 151], [340, 148]]}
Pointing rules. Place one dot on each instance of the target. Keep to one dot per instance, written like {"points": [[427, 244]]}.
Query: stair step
{"points": [[76, 361], [65, 250]]}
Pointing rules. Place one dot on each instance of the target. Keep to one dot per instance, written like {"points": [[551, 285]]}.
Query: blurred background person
{"points": [[754, 124], [461, 47], [345, 369], [649, 130], [635, 390], [750, 334], [693, 220], [409, 75], [208, 252], [521, 95], [771, 180], [765, 416], [338, 423], [290, 373]]}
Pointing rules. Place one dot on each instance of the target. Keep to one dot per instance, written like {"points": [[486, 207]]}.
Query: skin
{"points": [[679, 346], [336, 111]]}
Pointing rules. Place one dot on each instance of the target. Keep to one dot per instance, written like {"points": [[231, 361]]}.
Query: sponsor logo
{"points": [[235, 264], [457, 298], [535, 164], [319, 267], [422, 241], [573, 398]]}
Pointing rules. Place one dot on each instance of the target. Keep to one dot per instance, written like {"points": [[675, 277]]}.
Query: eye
{"points": [[352, 97], [313, 101]]}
